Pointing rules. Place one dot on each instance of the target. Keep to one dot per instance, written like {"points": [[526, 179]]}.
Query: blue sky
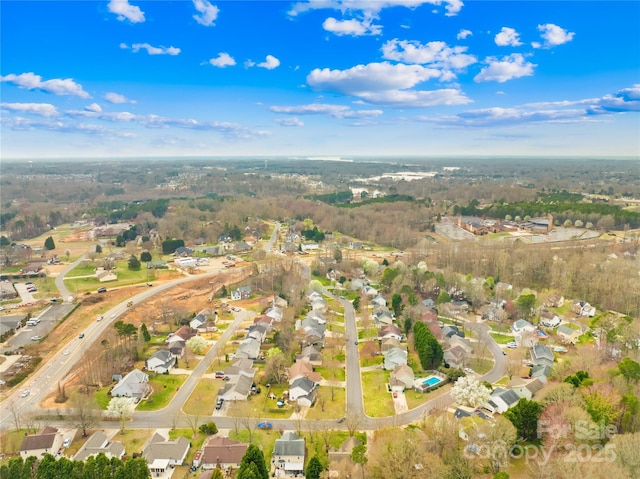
{"points": [[325, 77]]}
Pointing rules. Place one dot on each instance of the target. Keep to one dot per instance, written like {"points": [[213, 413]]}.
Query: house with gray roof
{"points": [[501, 400], [162, 453], [133, 385], [249, 348], [394, 357], [541, 354], [160, 362], [402, 375], [288, 454], [455, 357], [568, 335], [312, 354], [99, 443], [302, 387], [541, 372], [239, 389]]}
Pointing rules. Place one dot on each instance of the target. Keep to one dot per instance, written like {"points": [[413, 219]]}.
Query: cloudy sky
{"points": [[319, 77]]}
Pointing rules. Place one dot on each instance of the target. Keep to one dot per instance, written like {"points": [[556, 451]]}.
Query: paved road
{"points": [[274, 236], [62, 289], [355, 406]]}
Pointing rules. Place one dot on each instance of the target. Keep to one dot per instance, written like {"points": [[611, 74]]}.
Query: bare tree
{"points": [[85, 414], [352, 421], [193, 421]]}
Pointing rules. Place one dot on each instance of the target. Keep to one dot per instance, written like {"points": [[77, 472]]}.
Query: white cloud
{"points": [[270, 63], [336, 111], [625, 100], [117, 116], [386, 84], [554, 35], [126, 11], [57, 86], [222, 60], [93, 107], [207, 13], [437, 54], [112, 97], [508, 37], [151, 50], [452, 7], [351, 27], [510, 67], [293, 121], [462, 34], [41, 109]]}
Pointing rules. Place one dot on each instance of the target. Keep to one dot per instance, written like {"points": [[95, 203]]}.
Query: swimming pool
{"points": [[432, 381]]}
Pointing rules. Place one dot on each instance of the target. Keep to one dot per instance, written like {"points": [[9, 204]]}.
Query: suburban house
{"points": [[249, 348], [554, 301], [451, 330], [312, 354], [275, 313], [344, 452], [103, 275], [461, 342], [258, 331], [303, 369], [99, 443], [402, 375], [455, 357], [383, 316], [161, 453], [428, 303], [303, 391], [522, 326], [390, 331], [177, 348], [542, 355], [501, 400], [243, 292], [184, 333], [160, 362], [288, 454], [182, 251], [221, 452], [239, 389], [370, 291], [525, 388], [379, 300], [549, 319], [582, 308], [390, 343], [541, 372], [239, 365], [394, 357], [45, 441], [133, 385], [568, 335]]}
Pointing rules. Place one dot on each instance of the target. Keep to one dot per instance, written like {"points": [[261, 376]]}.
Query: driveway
{"points": [[399, 402]]}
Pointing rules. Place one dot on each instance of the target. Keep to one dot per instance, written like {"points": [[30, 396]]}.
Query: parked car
{"points": [[99, 318], [67, 442], [265, 425], [219, 375], [102, 290], [36, 338], [25, 393], [469, 371], [512, 345], [341, 420], [81, 336], [67, 352]]}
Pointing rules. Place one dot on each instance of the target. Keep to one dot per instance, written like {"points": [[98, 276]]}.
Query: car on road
{"points": [[469, 371], [113, 316], [219, 375], [265, 425], [219, 403], [67, 352], [99, 318], [36, 338], [235, 310], [512, 345], [149, 284], [81, 336], [67, 442], [25, 393], [355, 342], [102, 290], [340, 420]]}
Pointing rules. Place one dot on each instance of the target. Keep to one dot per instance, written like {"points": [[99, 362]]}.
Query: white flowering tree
{"points": [[121, 409], [468, 391], [197, 344]]}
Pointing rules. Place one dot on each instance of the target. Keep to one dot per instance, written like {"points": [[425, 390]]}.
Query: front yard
{"points": [[374, 388]]}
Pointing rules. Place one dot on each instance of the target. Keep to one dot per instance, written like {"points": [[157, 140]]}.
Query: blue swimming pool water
{"points": [[431, 381]]}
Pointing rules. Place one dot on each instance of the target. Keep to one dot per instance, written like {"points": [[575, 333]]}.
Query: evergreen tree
{"points": [[524, 416], [314, 468], [145, 256], [254, 456], [144, 332], [49, 244], [98, 249], [134, 263], [248, 471]]}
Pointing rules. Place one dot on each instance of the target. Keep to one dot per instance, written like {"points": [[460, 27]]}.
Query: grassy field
{"points": [[133, 439], [333, 374], [83, 269], [332, 408], [499, 327], [378, 401], [415, 399], [502, 338], [126, 277], [481, 366], [164, 388], [203, 398]]}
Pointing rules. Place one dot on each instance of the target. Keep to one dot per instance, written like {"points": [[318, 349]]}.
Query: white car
{"points": [[67, 352], [100, 318], [469, 371], [67, 442], [36, 338], [25, 393], [512, 345]]}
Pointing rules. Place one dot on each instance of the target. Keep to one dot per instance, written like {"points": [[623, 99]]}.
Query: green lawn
{"points": [[332, 407], [333, 374], [203, 398], [83, 269], [102, 397], [164, 387], [133, 439], [481, 366], [415, 399], [499, 327], [378, 402], [125, 277], [502, 338]]}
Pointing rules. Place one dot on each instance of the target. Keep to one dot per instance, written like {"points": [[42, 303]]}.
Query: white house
{"points": [[288, 454], [133, 385], [162, 454], [160, 362]]}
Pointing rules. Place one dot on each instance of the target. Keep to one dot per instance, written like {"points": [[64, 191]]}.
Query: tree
{"points": [[524, 416], [85, 414], [427, 346], [144, 332], [253, 464], [98, 249], [134, 263], [526, 304], [275, 367], [356, 303], [468, 391], [197, 344], [443, 297], [49, 244], [359, 457], [121, 408], [396, 304], [629, 369], [314, 468], [145, 256], [209, 428], [67, 253]]}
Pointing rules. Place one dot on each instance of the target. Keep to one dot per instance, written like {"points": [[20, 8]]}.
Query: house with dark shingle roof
{"points": [[568, 335], [47, 440], [99, 443], [160, 362], [162, 453], [222, 452], [541, 354]]}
